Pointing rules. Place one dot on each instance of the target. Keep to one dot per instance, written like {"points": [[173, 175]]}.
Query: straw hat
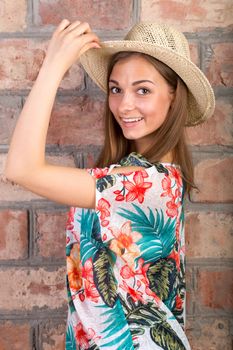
{"points": [[169, 46]]}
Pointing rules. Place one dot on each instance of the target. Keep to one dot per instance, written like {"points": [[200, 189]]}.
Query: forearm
{"points": [[27, 148]]}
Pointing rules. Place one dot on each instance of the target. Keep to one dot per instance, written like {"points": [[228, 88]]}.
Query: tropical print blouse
{"points": [[125, 262]]}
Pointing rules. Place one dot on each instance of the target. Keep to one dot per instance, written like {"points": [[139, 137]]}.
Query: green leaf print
{"points": [[162, 277], [117, 332], [103, 277], [89, 244], [105, 182], [70, 339], [142, 316], [164, 336], [158, 237]]}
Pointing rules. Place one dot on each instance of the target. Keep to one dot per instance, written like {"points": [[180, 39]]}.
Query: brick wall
{"points": [[32, 240]]}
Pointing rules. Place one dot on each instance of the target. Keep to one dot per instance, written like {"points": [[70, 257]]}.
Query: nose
{"points": [[127, 103]]}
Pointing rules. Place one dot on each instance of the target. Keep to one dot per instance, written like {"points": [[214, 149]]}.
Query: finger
{"points": [[81, 29], [72, 26], [92, 45], [62, 25], [89, 39]]}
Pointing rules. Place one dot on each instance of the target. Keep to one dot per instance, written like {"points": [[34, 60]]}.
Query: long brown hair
{"points": [[169, 137]]}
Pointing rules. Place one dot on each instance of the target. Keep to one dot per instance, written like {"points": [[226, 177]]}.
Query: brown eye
{"points": [[114, 90], [143, 91]]}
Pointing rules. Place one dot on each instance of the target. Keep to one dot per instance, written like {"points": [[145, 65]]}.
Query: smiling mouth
{"points": [[131, 120]]}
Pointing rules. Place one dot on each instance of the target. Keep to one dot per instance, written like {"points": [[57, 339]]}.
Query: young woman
{"points": [[125, 249]]}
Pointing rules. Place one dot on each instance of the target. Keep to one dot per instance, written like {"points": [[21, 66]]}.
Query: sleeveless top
{"points": [[125, 262]]}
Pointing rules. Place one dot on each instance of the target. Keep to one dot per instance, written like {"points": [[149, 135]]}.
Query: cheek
{"points": [[111, 104]]}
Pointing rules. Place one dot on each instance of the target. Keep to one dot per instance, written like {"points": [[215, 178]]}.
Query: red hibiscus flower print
{"points": [[137, 189], [166, 184], [126, 272], [103, 207], [90, 290], [87, 270], [124, 242], [135, 295], [82, 337], [172, 206], [99, 172], [179, 302], [175, 256], [70, 219], [175, 172], [141, 271]]}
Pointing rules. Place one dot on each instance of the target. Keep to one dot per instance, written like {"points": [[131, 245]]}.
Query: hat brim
{"points": [[201, 101]]}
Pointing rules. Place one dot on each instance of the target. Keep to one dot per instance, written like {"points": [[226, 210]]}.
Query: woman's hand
{"points": [[67, 44]]}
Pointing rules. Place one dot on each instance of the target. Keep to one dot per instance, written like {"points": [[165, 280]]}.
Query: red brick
{"points": [[215, 289], [189, 15], [115, 14], [219, 64], [13, 15], [194, 53], [21, 60], [15, 336], [13, 192], [218, 129], [209, 334], [14, 234], [50, 234], [77, 121], [209, 235], [29, 288], [214, 180], [10, 107], [53, 336]]}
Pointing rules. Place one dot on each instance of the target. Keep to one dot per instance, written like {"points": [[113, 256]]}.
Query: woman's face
{"points": [[139, 98]]}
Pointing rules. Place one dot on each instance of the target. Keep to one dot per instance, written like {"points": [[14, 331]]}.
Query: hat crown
{"points": [[162, 35]]}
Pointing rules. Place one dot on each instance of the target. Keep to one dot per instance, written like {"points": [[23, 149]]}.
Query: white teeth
{"points": [[131, 120]]}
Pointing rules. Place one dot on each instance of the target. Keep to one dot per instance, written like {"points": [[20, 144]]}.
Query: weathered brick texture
{"points": [[211, 334], [50, 234], [209, 235], [14, 234], [190, 15], [13, 15], [215, 289], [52, 336], [214, 181], [15, 336], [219, 65], [33, 300], [32, 288], [21, 60], [99, 14], [218, 129], [75, 115]]}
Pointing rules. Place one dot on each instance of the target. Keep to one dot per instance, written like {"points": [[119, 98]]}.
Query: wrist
{"points": [[51, 72]]}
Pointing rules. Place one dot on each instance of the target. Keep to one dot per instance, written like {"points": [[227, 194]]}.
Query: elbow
{"points": [[12, 174], [9, 175]]}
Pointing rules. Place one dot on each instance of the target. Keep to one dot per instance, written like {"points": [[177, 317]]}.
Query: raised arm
{"points": [[26, 164]]}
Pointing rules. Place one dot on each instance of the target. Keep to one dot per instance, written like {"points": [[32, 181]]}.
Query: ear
{"points": [[172, 95]]}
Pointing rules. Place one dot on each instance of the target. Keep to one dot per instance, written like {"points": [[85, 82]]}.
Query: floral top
{"points": [[125, 262]]}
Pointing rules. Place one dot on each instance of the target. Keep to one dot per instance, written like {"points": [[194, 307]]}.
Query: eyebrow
{"points": [[135, 82]]}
